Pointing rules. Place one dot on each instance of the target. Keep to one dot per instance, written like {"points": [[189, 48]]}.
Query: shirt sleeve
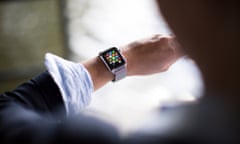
{"points": [[73, 80]]}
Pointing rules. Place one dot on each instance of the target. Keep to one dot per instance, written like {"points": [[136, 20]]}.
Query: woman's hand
{"points": [[151, 55]]}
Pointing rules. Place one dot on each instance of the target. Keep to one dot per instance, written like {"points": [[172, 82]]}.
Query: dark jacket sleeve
{"points": [[40, 94], [34, 113]]}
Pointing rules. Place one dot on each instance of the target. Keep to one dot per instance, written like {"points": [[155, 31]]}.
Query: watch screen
{"points": [[113, 58]]}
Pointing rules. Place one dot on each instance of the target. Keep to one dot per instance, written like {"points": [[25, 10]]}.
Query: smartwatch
{"points": [[115, 62]]}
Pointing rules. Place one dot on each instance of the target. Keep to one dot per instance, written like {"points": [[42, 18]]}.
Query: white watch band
{"points": [[120, 73]]}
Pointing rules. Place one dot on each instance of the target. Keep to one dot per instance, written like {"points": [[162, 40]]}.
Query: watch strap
{"points": [[120, 74]]}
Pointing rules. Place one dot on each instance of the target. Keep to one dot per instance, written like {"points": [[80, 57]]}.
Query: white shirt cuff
{"points": [[73, 80]]}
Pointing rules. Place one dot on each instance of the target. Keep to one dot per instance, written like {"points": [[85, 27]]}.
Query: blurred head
{"points": [[208, 31]]}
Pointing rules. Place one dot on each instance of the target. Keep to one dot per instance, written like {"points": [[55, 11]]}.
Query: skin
{"points": [[157, 53]]}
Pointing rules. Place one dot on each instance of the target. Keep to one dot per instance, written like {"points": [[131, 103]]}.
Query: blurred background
{"points": [[28, 29], [77, 30]]}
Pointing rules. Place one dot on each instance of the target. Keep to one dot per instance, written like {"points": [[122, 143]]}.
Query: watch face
{"points": [[113, 58]]}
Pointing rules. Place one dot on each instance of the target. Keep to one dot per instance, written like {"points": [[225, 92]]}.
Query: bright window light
{"points": [[98, 24]]}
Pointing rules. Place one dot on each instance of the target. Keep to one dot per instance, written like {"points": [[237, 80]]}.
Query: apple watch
{"points": [[115, 62]]}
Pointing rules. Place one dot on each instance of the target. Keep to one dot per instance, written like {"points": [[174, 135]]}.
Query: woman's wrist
{"points": [[127, 57], [98, 71]]}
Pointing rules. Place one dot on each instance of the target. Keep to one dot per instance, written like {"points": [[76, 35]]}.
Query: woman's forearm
{"points": [[143, 57]]}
